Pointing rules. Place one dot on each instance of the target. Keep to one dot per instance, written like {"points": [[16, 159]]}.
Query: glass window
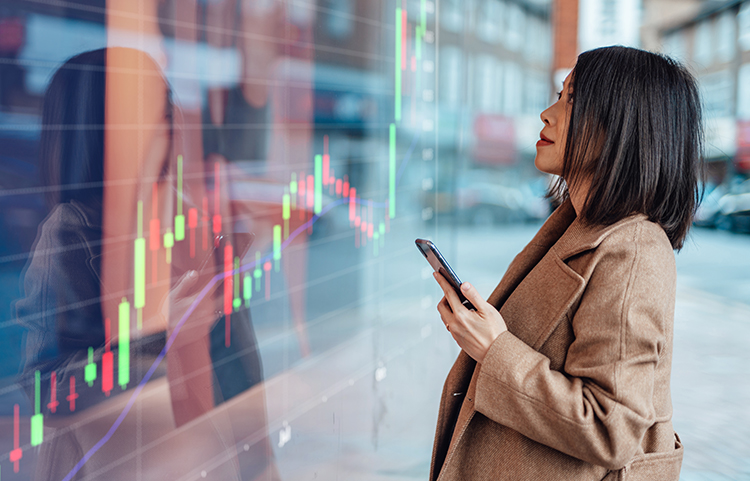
{"points": [[513, 88], [743, 20], [490, 16], [452, 15], [536, 92], [451, 76], [674, 45], [726, 36], [703, 46], [515, 24], [717, 93], [486, 92], [743, 92]]}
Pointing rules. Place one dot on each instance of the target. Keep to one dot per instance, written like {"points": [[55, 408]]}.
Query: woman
{"points": [[66, 289], [564, 370]]}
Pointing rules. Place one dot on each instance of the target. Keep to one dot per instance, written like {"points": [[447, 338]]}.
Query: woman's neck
{"points": [[578, 196]]}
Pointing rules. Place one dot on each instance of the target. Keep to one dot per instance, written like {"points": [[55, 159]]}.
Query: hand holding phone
{"points": [[438, 262], [212, 262], [191, 281]]}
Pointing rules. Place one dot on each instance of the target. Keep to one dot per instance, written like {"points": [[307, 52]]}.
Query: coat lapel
{"points": [[548, 234], [542, 287]]}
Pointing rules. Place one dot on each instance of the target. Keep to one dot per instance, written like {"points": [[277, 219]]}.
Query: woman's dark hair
{"points": [[635, 131], [72, 141]]}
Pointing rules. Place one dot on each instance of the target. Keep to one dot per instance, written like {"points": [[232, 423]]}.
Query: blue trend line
{"points": [[192, 307]]}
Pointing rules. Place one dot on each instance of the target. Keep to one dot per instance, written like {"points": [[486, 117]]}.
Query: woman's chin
{"points": [[544, 165], [540, 166]]}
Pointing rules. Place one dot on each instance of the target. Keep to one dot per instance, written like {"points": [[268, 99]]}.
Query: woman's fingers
{"points": [[444, 309], [450, 294], [446, 314], [474, 297], [183, 285]]}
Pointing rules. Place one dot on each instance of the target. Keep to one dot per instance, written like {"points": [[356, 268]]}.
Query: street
{"points": [[371, 402]]}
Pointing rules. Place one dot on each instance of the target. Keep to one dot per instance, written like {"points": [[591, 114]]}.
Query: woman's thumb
{"points": [[472, 295]]}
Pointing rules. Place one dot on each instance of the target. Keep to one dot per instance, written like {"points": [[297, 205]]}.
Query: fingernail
{"points": [[192, 273], [465, 286]]}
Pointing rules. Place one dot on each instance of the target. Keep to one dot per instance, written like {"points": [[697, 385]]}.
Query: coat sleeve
{"points": [[600, 406]]}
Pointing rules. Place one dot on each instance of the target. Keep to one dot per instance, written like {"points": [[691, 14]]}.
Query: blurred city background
{"points": [[353, 351]]}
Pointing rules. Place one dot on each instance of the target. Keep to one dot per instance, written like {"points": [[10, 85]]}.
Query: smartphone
{"points": [[438, 262]]}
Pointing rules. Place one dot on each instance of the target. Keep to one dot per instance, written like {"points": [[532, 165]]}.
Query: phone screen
{"points": [[430, 251]]}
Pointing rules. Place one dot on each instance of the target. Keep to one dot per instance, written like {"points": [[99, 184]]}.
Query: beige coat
{"points": [[578, 387]]}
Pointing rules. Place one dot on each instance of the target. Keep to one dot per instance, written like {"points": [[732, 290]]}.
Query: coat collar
{"points": [[565, 235], [578, 236]]}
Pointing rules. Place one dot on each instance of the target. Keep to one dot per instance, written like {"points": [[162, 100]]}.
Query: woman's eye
{"points": [[559, 95]]}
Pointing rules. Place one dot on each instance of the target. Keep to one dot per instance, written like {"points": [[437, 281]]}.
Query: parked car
{"points": [[709, 210], [734, 208]]}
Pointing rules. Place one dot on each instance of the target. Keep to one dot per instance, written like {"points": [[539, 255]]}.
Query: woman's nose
{"points": [[545, 117]]}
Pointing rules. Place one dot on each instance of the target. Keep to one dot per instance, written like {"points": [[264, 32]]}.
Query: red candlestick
{"points": [[228, 291], [217, 210], [192, 224], [267, 268], [310, 184], [53, 403], [73, 395], [17, 453], [352, 204], [107, 360], [301, 192]]}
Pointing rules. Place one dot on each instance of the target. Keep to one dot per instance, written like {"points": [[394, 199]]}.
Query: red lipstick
{"points": [[544, 140]]}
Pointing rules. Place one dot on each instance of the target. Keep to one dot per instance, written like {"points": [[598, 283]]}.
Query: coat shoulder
{"points": [[641, 235]]}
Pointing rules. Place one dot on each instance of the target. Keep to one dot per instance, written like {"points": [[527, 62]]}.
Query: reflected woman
{"points": [[564, 370], [81, 274]]}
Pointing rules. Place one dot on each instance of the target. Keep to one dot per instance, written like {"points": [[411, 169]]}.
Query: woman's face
{"points": [[551, 147]]}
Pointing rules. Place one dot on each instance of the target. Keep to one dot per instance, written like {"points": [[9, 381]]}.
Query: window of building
{"points": [[726, 36], [703, 47], [452, 15], [451, 74], [743, 21], [717, 93], [536, 92], [489, 21], [485, 87], [743, 92], [513, 89], [674, 45], [516, 24]]}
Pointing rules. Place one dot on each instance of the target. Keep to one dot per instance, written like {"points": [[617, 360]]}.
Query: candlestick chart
{"points": [[240, 216]]}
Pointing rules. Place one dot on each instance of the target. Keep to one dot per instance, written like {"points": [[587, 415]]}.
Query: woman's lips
{"points": [[543, 141]]}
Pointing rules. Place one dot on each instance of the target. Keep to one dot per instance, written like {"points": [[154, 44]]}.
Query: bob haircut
{"points": [[635, 131], [71, 147]]}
